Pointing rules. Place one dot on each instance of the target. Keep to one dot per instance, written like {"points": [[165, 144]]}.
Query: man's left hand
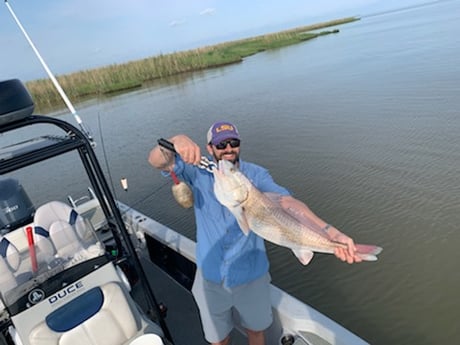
{"points": [[345, 254]]}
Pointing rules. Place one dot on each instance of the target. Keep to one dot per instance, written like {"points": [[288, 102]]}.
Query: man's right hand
{"points": [[187, 149]]}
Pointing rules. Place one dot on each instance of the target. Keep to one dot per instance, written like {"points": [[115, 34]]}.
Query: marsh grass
{"points": [[118, 77]]}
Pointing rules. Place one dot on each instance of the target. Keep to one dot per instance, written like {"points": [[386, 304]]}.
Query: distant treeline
{"points": [[118, 77]]}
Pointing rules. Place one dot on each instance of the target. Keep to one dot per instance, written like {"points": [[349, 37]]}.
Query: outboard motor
{"points": [[15, 101], [16, 209]]}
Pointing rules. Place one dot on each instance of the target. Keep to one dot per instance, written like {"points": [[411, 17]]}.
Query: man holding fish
{"points": [[238, 205]]}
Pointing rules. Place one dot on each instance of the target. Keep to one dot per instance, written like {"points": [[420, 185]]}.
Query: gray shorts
{"points": [[218, 303]]}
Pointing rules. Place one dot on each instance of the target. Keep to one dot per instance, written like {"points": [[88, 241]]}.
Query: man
{"points": [[232, 267]]}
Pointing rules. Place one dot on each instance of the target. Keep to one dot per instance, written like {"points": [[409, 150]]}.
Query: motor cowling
{"points": [[16, 209], [15, 101]]}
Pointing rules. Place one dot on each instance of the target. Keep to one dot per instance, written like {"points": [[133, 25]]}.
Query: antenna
{"points": [[51, 76]]}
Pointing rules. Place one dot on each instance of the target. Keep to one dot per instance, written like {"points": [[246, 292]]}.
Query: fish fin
{"points": [[304, 255], [368, 252], [275, 197], [296, 209], [241, 219], [292, 208]]}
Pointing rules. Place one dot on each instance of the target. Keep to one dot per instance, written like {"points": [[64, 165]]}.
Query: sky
{"points": [[75, 35]]}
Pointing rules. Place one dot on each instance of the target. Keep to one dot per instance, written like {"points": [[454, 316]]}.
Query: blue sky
{"points": [[74, 35]]}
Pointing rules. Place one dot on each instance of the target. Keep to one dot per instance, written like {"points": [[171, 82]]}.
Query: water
{"points": [[362, 126]]}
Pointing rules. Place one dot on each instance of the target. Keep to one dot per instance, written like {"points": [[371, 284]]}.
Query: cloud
{"points": [[208, 12], [176, 23]]}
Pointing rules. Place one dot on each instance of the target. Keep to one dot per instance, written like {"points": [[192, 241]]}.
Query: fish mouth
{"points": [[225, 167], [232, 194]]}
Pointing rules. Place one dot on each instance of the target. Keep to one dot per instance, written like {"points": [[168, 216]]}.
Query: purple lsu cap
{"points": [[221, 131]]}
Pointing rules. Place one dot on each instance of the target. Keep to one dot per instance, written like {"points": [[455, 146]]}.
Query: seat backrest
{"points": [[10, 254], [65, 239], [9, 264], [59, 229], [102, 315]]}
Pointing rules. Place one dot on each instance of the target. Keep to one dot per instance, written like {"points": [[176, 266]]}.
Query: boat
{"points": [[59, 259], [78, 266]]}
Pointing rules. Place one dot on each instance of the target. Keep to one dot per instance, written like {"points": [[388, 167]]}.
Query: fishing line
{"points": [[51, 76], [106, 162], [104, 153], [140, 201]]}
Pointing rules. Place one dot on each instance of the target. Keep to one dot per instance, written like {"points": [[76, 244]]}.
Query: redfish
{"points": [[264, 214]]}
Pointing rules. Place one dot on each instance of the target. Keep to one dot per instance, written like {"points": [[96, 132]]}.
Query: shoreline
{"points": [[104, 81]]}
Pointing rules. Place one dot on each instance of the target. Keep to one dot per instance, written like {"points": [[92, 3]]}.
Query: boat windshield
{"points": [[47, 240]]}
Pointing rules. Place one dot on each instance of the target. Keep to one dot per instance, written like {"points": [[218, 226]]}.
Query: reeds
{"points": [[118, 77]]}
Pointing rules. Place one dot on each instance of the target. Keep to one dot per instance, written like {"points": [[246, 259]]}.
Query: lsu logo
{"points": [[225, 128]]}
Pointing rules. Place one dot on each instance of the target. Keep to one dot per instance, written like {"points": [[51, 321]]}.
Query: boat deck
{"points": [[182, 317]]}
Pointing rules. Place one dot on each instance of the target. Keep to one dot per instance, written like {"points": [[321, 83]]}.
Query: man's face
{"points": [[228, 149]]}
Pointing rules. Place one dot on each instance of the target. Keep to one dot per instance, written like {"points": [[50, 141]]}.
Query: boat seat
{"points": [[102, 315], [64, 238], [10, 262], [59, 230]]}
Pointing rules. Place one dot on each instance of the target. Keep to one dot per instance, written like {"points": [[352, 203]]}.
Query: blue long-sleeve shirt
{"points": [[224, 254]]}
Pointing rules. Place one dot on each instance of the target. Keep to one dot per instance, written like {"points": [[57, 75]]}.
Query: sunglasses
{"points": [[223, 144]]}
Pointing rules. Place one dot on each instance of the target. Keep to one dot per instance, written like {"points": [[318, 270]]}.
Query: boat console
{"points": [[60, 282]]}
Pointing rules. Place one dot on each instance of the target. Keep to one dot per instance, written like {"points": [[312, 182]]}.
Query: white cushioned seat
{"points": [[100, 316], [59, 230], [64, 238], [10, 262]]}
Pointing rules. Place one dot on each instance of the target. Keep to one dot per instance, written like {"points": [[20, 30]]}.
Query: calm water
{"points": [[364, 127]]}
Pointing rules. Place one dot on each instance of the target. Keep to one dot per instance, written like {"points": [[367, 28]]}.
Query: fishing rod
{"points": [[51, 76]]}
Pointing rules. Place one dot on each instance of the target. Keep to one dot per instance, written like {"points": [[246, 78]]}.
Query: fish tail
{"points": [[368, 252]]}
